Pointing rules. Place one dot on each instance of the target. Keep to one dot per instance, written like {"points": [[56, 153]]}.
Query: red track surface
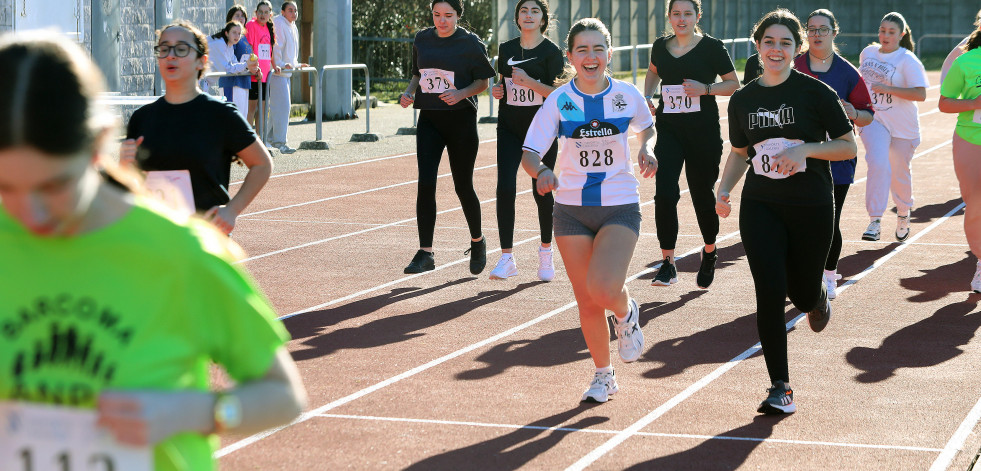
{"points": [[448, 371]]}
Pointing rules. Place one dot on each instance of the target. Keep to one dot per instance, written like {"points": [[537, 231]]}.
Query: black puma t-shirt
{"points": [[801, 108]]}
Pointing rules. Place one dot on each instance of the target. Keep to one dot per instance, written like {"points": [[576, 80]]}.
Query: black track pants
{"points": [[508, 164], [786, 247], [841, 191], [456, 131]]}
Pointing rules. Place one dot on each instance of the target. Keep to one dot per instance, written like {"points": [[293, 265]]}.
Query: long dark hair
{"points": [[907, 39], [456, 5], [223, 33], [974, 40], [269, 24], [831, 18], [49, 73], [780, 16], [235, 8], [667, 15], [542, 5]]}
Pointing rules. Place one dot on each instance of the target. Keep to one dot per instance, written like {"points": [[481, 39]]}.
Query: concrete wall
{"points": [[6, 15]]}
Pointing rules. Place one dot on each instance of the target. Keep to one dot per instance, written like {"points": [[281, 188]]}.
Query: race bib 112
{"points": [[43, 437], [675, 100], [764, 154]]}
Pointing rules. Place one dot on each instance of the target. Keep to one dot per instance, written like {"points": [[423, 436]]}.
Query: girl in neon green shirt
{"points": [[111, 310], [960, 93]]}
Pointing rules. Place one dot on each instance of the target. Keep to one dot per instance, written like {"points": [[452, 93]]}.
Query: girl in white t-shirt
{"points": [[596, 217], [222, 57], [896, 79]]}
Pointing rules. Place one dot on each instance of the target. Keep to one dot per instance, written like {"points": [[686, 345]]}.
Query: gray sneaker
{"points": [[601, 388], [873, 231]]}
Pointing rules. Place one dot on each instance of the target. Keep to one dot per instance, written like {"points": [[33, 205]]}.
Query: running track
{"points": [[448, 371]]}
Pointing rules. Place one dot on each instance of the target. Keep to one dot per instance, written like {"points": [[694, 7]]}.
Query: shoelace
{"points": [[502, 262], [545, 257], [601, 379]]}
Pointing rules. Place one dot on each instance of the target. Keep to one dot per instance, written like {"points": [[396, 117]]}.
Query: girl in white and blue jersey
{"points": [[596, 217]]}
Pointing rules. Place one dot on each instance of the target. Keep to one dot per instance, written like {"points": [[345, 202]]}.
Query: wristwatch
{"points": [[228, 412]]}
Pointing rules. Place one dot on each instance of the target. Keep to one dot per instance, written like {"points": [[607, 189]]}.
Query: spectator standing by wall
{"points": [[286, 48]]}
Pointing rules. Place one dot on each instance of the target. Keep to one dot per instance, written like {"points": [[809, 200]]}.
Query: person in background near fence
{"points": [[79, 244], [896, 80], [958, 49], [823, 62], [779, 125], [685, 64], [529, 65], [189, 130], [286, 49], [237, 89], [597, 202], [223, 59], [449, 69], [959, 93], [260, 33]]}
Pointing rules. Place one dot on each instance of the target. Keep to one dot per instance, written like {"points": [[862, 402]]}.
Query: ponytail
{"points": [[907, 39]]}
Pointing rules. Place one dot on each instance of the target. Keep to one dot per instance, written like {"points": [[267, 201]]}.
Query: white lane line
{"points": [[348, 164], [641, 434], [612, 443], [356, 193], [357, 395], [956, 442]]}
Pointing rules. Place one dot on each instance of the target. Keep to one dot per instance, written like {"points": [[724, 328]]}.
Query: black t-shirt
{"points": [[543, 63], [201, 136], [456, 61], [753, 70], [708, 59], [801, 107]]}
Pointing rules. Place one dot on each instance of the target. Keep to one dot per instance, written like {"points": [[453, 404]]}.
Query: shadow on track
{"points": [[724, 452], [935, 283], [515, 449], [926, 343], [387, 330]]}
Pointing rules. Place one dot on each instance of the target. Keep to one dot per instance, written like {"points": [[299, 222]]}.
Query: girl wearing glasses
{"points": [[529, 65], [685, 64], [959, 94], [189, 130], [779, 125], [142, 304], [449, 69], [823, 63], [896, 80]]}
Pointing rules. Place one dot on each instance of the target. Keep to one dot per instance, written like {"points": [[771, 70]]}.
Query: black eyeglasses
{"points": [[822, 31], [181, 49]]}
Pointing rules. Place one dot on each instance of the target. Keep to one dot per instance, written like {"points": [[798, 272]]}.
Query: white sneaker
{"points": [[976, 282], [601, 388], [506, 267], [902, 228], [873, 231], [831, 283], [630, 338], [546, 268]]}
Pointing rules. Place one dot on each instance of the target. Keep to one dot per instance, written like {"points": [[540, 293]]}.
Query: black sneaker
{"points": [[780, 400], [706, 272], [666, 275], [818, 318], [478, 255], [423, 261]]}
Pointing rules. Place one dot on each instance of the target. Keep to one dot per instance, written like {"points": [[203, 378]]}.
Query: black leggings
{"points": [[508, 161], [840, 192], [456, 131], [699, 149], [786, 246]]}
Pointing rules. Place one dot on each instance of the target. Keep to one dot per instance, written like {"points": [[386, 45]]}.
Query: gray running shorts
{"points": [[588, 220]]}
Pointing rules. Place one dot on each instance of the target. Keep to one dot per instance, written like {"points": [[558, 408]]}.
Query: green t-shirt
{"points": [[964, 81], [144, 303]]}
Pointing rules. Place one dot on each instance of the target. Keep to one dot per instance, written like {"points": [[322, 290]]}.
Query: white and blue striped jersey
{"points": [[594, 166]]}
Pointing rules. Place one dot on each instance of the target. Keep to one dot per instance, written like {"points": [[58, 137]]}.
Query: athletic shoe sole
{"points": [[661, 283], [903, 238], [870, 238], [773, 409], [600, 399]]}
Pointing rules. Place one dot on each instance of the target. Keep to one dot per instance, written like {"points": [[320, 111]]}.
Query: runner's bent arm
{"points": [[958, 105], [911, 93], [734, 170], [650, 85]]}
